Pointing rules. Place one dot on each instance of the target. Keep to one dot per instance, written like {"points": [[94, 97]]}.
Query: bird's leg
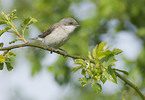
{"points": [[66, 54], [51, 48]]}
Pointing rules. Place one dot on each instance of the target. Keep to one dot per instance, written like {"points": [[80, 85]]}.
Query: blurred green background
{"points": [[39, 75]]}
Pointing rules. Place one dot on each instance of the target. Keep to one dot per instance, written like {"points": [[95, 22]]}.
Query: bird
{"points": [[57, 34]]}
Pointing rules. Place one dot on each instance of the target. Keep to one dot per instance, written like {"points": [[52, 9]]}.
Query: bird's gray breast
{"points": [[58, 36]]}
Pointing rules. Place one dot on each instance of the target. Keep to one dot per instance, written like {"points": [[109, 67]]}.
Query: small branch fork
{"points": [[58, 51]]}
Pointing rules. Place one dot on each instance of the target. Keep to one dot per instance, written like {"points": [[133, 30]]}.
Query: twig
{"points": [[131, 85], [5, 52], [45, 48]]}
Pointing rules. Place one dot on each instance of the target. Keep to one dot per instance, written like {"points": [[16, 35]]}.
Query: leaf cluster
{"points": [[101, 67], [6, 59], [7, 19]]}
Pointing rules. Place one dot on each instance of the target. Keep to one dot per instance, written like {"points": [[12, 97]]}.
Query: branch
{"points": [[131, 85], [58, 51]]}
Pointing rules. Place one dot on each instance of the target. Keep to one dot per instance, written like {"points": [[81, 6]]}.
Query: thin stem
{"points": [[46, 48], [16, 31], [131, 85], [5, 52], [23, 30]]}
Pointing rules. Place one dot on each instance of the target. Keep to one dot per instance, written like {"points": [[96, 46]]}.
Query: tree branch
{"points": [[131, 85], [58, 51], [74, 57]]}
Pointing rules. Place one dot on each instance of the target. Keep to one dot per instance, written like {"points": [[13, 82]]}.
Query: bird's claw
{"points": [[52, 49], [65, 53]]}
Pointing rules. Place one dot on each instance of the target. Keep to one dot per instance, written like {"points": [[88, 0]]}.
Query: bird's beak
{"points": [[78, 25]]}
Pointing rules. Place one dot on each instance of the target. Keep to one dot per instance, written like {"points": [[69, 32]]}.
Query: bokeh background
{"points": [[39, 75]]}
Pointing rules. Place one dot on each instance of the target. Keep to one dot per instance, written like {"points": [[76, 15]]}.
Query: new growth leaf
{"points": [[99, 67]]}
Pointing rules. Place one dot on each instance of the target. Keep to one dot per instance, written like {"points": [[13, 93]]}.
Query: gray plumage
{"points": [[64, 21], [58, 33]]}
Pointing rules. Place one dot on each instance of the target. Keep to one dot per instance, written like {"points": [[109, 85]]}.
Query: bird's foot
{"points": [[65, 53], [52, 49]]}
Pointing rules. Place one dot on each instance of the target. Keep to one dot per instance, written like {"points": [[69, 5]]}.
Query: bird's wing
{"points": [[50, 29]]}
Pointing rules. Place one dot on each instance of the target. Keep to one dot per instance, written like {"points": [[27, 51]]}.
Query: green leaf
{"points": [[110, 62], [1, 66], [101, 46], [7, 59], [14, 11], [13, 41], [101, 50], [9, 66], [83, 84], [83, 72], [12, 17], [105, 48], [107, 52], [76, 68], [100, 55], [80, 79], [33, 20], [116, 51], [110, 75], [89, 55], [4, 16], [123, 71], [103, 79], [98, 51], [84, 79], [1, 32], [1, 45], [80, 61], [11, 54], [5, 30], [18, 39], [98, 78], [29, 20], [2, 22], [89, 72], [2, 59], [97, 87], [95, 51]]}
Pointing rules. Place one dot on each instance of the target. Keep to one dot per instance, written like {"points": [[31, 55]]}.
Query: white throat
{"points": [[69, 29]]}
